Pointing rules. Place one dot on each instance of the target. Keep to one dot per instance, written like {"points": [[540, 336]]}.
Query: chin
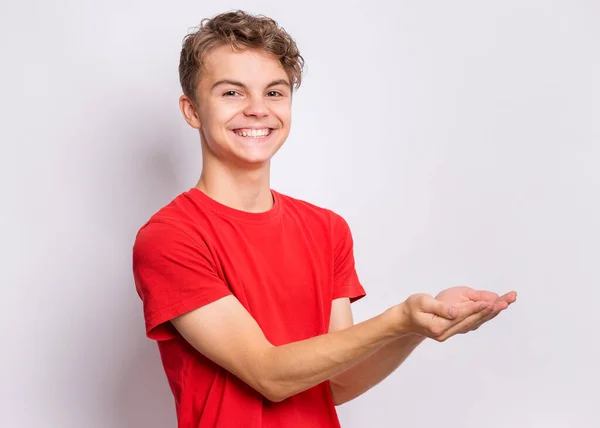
{"points": [[256, 151], [255, 160]]}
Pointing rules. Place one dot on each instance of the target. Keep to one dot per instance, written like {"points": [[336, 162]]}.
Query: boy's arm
{"points": [[361, 377], [227, 334]]}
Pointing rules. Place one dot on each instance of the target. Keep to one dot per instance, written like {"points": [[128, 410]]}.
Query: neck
{"points": [[241, 189]]}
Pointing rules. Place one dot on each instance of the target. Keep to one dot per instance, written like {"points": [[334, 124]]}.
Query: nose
{"points": [[256, 107]]}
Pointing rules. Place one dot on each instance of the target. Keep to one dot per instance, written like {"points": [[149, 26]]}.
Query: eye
{"points": [[230, 94], [274, 94]]}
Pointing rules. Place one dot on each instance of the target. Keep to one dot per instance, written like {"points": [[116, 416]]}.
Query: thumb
{"points": [[471, 308], [439, 308]]}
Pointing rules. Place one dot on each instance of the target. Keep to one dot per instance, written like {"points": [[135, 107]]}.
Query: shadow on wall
{"points": [[142, 396], [145, 175]]}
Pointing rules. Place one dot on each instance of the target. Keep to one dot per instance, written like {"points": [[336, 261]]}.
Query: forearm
{"points": [[295, 367], [363, 376]]}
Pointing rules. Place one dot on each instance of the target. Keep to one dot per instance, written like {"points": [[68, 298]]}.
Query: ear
{"points": [[189, 111]]}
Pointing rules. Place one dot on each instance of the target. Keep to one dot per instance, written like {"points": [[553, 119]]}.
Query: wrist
{"points": [[415, 338], [398, 320]]}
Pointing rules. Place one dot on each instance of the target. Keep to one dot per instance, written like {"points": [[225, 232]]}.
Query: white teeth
{"points": [[253, 133]]}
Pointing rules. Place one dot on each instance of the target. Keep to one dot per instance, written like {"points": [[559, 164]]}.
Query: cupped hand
{"points": [[456, 310], [423, 315], [459, 296]]}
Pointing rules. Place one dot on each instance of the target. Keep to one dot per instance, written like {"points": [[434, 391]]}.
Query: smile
{"points": [[253, 133]]}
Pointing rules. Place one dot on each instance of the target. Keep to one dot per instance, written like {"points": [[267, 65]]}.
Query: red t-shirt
{"points": [[285, 266]]}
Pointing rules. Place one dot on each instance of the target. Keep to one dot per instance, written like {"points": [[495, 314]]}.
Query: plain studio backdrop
{"points": [[459, 139]]}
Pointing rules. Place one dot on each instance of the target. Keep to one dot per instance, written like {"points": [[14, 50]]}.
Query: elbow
{"points": [[270, 386], [272, 392], [338, 394], [337, 401], [276, 392], [276, 398]]}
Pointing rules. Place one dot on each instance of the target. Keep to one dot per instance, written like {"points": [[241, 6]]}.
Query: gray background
{"points": [[459, 139]]}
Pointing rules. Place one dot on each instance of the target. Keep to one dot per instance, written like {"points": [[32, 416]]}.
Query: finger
{"points": [[501, 304], [484, 320], [433, 306], [481, 295], [469, 309], [505, 301], [468, 323], [509, 297], [496, 309], [466, 314]]}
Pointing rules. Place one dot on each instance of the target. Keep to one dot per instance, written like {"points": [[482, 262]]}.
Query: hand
{"points": [[457, 296], [423, 315]]}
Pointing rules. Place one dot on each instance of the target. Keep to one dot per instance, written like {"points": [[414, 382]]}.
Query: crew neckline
{"points": [[233, 213]]}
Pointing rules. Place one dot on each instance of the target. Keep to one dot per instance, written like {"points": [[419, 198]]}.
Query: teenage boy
{"points": [[247, 291]]}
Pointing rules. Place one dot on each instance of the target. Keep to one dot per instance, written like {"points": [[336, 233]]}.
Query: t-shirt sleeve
{"points": [[173, 274], [345, 278]]}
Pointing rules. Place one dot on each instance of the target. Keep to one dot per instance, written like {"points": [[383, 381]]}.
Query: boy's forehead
{"points": [[243, 65]]}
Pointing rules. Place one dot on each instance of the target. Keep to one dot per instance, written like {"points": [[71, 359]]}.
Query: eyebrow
{"points": [[241, 85]]}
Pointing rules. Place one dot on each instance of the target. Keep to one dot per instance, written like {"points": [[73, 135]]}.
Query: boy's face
{"points": [[243, 107]]}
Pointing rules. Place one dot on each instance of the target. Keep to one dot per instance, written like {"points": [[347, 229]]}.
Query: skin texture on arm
{"points": [[227, 334]]}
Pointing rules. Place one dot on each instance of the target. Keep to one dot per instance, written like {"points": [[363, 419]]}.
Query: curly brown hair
{"points": [[239, 30]]}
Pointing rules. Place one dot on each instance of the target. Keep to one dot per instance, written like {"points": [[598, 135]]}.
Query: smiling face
{"points": [[243, 108]]}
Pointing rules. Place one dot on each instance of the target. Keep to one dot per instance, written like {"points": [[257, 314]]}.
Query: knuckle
{"points": [[419, 299], [436, 330], [412, 301], [422, 298]]}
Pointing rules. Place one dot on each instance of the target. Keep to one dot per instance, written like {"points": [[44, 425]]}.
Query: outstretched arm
{"points": [[226, 333], [363, 376]]}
